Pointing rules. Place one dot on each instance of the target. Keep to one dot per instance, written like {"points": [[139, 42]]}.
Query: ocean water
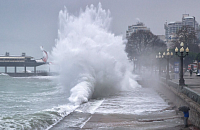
{"points": [[31, 103], [37, 103], [92, 66]]}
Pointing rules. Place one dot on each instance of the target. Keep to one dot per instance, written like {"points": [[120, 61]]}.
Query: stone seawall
{"points": [[191, 94], [185, 90], [181, 96]]}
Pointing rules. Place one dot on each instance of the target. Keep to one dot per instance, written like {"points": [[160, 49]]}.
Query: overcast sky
{"points": [[27, 24]]}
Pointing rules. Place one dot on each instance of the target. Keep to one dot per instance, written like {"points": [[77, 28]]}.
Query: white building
{"points": [[188, 20], [173, 27], [134, 28]]}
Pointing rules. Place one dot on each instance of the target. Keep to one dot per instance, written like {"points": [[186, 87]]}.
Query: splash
{"points": [[90, 59]]}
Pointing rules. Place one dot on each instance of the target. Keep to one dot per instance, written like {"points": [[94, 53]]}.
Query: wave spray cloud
{"points": [[89, 58]]}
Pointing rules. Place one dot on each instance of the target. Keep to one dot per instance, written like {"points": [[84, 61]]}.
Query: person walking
{"points": [[190, 72], [185, 111], [186, 116]]}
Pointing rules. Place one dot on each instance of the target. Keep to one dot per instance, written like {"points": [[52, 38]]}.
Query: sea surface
{"points": [[41, 103], [31, 102]]}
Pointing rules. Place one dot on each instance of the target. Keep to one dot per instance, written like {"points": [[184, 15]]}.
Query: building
{"points": [[173, 27], [188, 20], [134, 28]]}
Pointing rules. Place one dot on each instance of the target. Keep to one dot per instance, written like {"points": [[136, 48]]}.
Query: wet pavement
{"points": [[131, 115], [165, 119], [139, 109]]}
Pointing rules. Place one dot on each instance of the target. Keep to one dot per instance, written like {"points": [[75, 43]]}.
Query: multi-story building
{"points": [[173, 27], [134, 28], [188, 20]]}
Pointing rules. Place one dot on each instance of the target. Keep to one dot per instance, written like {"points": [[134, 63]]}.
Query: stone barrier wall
{"points": [[187, 91], [182, 96], [191, 94]]}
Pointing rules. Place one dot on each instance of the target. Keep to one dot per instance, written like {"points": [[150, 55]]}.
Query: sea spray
{"points": [[91, 62], [89, 58]]}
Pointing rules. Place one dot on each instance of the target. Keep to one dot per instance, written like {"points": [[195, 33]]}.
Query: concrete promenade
{"points": [[166, 119], [192, 82], [188, 95]]}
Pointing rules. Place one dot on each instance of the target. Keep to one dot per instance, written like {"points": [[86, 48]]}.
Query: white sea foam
{"points": [[90, 59], [3, 74]]}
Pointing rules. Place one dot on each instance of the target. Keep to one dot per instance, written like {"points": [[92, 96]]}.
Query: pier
{"points": [[22, 61]]}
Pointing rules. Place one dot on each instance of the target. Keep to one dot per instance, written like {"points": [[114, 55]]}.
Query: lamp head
{"points": [[168, 53], [182, 44], [187, 49], [163, 53], [176, 49], [182, 49]]}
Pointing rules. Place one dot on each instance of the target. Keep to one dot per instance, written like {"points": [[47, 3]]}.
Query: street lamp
{"points": [[181, 55], [159, 57], [167, 56]]}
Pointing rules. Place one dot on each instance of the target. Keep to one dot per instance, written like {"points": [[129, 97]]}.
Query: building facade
{"points": [[173, 27], [134, 28]]}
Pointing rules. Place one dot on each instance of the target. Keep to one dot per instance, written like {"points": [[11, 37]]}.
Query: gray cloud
{"points": [[27, 24]]}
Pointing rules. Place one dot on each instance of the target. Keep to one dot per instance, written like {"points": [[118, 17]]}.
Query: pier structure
{"points": [[20, 61]]}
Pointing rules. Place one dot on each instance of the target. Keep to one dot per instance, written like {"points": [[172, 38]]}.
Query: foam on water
{"points": [[90, 59], [39, 120], [3, 74]]}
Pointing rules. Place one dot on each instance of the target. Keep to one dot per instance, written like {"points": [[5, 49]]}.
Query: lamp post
{"points": [[181, 55], [159, 57], [167, 56]]}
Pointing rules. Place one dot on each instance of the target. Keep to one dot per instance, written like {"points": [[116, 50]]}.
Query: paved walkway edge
{"points": [[180, 99]]}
